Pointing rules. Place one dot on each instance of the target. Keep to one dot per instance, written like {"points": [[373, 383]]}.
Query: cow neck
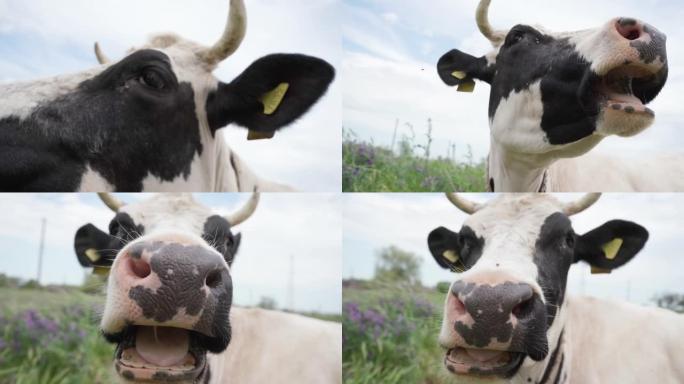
{"points": [[515, 172], [555, 367]]}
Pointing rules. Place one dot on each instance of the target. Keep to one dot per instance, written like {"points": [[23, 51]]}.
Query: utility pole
{"points": [[394, 137], [290, 285], [40, 250]]}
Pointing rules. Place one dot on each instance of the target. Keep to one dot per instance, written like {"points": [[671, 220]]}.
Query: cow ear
{"points": [[271, 93], [232, 252], [92, 247], [444, 246], [458, 68], [611, 245]]}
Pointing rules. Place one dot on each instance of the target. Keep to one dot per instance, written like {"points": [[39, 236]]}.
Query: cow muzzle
{"points": [[633, 70], [168, 304], [492, 328]]}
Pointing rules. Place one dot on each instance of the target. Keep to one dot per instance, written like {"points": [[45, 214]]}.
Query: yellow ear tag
{"points": [[612, 248], [256, 135], [466, 86], [459, 75], [102, 271], [272, 99], [450, 255], [92, 254]]}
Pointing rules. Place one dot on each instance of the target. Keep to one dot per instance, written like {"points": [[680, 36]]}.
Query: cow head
{"points": [[169, 291], [512, 257], [557, 94]]}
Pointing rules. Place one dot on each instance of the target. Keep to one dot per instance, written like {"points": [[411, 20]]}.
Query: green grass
{"points": [[51, 337], [390, 334], [371, 168]]}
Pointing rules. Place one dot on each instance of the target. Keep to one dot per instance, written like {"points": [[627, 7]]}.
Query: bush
{"points": [[443, 287]]}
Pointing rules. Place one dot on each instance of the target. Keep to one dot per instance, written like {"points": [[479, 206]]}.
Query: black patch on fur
{"points": [[113, 122], [467, 245], [482, 302], [192, 265], [128, 375], [218, 234], [122, 230], [553, 257], [570, 103], [552, 360], [239, 102], [491, 185], [474, 68]]}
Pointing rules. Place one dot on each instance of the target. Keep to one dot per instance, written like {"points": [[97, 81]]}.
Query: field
{"points": [[410, 168], [390, 333], [50, 336]]}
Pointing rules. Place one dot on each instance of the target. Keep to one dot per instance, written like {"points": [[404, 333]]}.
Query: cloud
{"points": [[44, 38], [375, 221], [306, 227]]}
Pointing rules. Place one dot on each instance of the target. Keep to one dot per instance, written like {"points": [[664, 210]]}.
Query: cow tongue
{"points": [[162, 346], [483, 355]]}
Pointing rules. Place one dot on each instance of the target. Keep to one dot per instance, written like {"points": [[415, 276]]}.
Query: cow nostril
{"points": [[524, 308], [458, 305], [139, 267], [628, 28], [213, 279]]}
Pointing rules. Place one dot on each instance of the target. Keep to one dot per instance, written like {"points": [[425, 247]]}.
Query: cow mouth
{"points": [[482, 362], [628, 89], [168, 354]]}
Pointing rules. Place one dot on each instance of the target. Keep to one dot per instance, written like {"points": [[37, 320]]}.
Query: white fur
{"points": [[275, 347]]}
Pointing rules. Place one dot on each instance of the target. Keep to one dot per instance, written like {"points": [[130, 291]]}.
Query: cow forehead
{"points": [[169, 212], [513, 220]]}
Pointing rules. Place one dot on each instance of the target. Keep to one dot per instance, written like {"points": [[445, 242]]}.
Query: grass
{"points": [[51, 337], [390, 334], [372, 168]]}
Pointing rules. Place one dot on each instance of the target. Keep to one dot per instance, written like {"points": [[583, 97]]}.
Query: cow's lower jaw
{"points": [[159, 354], [481, 362]]}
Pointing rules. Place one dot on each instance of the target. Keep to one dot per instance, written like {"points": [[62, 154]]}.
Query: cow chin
{"points": [[161, 354]]}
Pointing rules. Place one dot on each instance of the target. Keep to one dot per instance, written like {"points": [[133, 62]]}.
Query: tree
{"points": [[671, 301], [267, 303], [394, 264]]}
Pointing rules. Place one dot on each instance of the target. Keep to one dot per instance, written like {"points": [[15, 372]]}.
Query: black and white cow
{"points": [[507, 318], [153, 120], [169, 302], [555, 96]]}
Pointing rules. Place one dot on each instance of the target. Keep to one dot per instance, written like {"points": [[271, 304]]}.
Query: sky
{"points": [[306, 227], [43, 38], [375, 221], [391, 49]]}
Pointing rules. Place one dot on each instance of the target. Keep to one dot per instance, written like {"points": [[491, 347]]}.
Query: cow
{"points": [[153, 121], [169, 301], [555, 96], [507, 318]]}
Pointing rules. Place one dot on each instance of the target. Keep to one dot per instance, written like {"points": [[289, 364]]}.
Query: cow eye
{"points": [[570, 240], [152, 79], [516, 37]]}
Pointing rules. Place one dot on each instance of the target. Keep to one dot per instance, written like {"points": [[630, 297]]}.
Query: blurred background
{"points": [[42, 38], [393, 290], [290, 259]]}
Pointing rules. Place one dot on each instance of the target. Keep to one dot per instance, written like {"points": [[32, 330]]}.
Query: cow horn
{"points": [[580, 205], [464, 205], [245, 212], [101, 57], [112, 202], [482, 17], [232, 35]]}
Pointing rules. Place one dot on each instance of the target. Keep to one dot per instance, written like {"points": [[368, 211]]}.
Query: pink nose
{"points": [[628, 28]]}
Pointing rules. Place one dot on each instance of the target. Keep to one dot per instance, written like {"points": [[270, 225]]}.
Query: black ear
{"points": [[232, 252], [93, 247], [458, 68], [444, 246], [611, 245], [271, 93]]}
